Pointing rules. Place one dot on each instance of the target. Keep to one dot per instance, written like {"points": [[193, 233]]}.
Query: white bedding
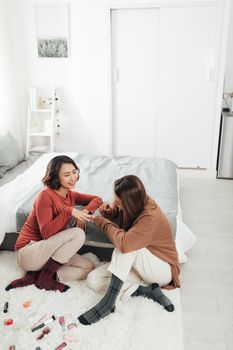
{"points": [[13, 194], [185, 238]]}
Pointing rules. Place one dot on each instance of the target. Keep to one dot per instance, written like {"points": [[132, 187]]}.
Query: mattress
{"points": [[97, 176]]}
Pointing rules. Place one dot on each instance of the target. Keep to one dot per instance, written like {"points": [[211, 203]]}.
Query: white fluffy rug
{"points": [[139, 324]]}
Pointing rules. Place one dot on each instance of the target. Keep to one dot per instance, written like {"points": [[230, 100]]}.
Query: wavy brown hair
{"points": [[132, 194], [51, 178]]}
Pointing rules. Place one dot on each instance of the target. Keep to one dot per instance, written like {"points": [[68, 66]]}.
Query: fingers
{"points": [[105, 208], [85, 217], [81, 219], [101, 210], [81, 215]]}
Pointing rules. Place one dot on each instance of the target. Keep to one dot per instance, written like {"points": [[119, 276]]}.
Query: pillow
{"points": [[10, 153]]}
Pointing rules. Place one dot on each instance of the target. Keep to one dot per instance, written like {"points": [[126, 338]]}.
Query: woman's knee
{"points": [[78, 236], [28, 261]]}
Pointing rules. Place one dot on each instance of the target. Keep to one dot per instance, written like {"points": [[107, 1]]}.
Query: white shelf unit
{"points": [[41, 120]]}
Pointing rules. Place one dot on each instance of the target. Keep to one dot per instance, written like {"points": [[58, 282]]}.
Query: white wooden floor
{"points": [[207, 277]]}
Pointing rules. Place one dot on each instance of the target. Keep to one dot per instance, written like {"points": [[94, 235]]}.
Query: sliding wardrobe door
{"points": [[188, 70], [134, 37]]}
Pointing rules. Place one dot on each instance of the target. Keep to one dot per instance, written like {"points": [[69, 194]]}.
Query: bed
{"points": [[97, 176]]}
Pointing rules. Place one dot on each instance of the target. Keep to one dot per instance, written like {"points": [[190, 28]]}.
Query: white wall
{"points": [[229, 57], [12, 101], [84, 78], [2, 67]]}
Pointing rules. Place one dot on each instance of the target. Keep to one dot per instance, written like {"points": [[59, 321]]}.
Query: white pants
{"points": [[62, 247], [134, 268]]}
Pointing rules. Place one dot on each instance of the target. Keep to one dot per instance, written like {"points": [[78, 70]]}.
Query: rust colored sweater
{"points": [[150, 230], [50, 214]]}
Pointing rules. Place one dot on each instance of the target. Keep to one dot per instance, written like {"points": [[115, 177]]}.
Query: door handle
{"points": [[117, 75]]}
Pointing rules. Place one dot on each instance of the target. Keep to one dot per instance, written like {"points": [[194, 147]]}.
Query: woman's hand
{"points": [[81, 215], [81, 224], [106, 208]]}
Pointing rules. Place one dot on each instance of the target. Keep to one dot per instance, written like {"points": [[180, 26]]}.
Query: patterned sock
{"points": [[27, 280], [105, 306], [47, 278], [155, 293]]}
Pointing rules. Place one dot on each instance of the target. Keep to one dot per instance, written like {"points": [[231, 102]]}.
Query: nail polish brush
{"points": [[43, 324]]}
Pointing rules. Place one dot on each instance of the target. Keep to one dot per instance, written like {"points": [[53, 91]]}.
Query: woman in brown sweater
{"points": [[145, 252]]}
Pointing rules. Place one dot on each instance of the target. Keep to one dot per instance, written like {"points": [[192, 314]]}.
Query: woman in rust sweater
{"points": [[144, 257], [53, 233]]}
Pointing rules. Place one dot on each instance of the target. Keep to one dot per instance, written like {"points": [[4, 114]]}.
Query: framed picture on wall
{"points": [[52, 30]]}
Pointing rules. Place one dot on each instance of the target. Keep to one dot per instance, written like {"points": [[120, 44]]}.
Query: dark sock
{"points": [[47, 278], [27, 280], [155, 293], [105, 306]]}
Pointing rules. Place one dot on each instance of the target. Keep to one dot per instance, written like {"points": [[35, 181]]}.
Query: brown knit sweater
{"points": [[150, 230]]}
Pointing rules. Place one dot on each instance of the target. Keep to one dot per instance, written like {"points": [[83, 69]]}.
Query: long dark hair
{"points": [[132, 194], [51, 178]]}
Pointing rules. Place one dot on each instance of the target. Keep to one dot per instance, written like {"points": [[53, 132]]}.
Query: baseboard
{"points": [[201, 173]]}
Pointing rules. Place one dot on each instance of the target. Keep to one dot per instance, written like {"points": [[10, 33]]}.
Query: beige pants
{"points": [[135, 268], [62, 247]]}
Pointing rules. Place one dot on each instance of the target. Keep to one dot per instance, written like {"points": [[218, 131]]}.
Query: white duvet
{"points": [[14, 193]]}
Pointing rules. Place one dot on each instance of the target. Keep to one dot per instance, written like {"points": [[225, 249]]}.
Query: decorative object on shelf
{"points": [[228, 98], [35, 127], [57, 116], [41, 119], [52, 30]]}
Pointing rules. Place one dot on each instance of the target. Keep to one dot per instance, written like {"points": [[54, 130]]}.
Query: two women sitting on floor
{"points": [[144, 257]]}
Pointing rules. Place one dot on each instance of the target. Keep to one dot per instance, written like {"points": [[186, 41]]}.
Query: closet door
{"points": [[188, 62], [134, 81]]}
